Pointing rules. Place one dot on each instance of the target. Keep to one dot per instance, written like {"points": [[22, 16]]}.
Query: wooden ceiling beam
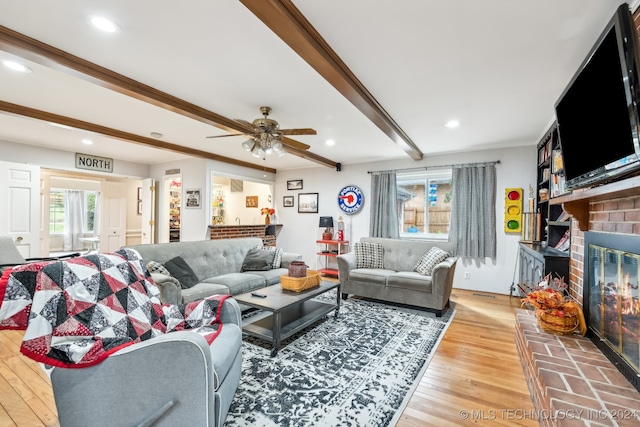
{"points": [[288, 23], [123, 136], [52, 57]]}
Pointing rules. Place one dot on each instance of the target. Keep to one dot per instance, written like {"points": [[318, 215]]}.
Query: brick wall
{"points": [[621, 216], [238, 231], [571, 382]]}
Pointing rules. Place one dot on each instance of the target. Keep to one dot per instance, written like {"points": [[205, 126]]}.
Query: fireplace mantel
{"points": [[577, 202]]}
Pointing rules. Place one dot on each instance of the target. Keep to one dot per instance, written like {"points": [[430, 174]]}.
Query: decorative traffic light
{"points": [[513, 210]]}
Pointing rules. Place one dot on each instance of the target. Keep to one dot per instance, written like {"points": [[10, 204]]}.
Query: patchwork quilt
{"points": [[77, 312]]}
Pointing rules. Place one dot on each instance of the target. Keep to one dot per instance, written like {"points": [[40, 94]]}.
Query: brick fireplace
{"points": [[569, 374], [621, 215]]}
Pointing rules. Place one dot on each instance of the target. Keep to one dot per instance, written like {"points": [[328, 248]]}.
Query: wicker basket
{"points": [[555, 324], [299, 284]]}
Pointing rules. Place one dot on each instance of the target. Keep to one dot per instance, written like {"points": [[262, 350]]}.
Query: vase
{"points": [[267, 219]]}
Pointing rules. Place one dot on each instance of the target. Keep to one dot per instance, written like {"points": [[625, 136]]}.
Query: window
{"points": [[90, 209], [424, 203], [57, 210]]}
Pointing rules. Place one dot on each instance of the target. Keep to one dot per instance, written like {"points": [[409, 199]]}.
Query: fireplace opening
{"points": [[611, 301]]}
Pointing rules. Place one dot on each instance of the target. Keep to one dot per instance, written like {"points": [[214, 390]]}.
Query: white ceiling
{"points": [[497, 66]]}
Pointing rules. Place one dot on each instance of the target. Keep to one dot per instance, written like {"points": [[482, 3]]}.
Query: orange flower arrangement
{"points": [[556, 311], [267, 211]]}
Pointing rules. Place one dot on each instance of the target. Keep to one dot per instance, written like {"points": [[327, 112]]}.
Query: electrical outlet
{"points": [[466, 275]]}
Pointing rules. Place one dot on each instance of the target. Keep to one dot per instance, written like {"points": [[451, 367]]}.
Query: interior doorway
{"points": [[239, 201], [173, 195], [106, 226]]}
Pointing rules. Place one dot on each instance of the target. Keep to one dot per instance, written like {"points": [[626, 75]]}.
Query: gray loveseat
{"points": [[216, 263], [397, 281]]}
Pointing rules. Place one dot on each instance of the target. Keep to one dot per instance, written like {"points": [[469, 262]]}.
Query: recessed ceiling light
{"points": [[452, 124], [16, 66], [58, 125], [87, 141], [330, 142], [156, 135], [104, 24]]}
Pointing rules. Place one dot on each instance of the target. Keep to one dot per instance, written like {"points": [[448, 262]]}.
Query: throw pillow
{"points": [[258, 260], [429, 261], [179, 269], [156, 267], [277, 259], [369, 255]]}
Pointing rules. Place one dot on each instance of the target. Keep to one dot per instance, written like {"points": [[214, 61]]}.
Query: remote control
{"points": [[255, 294]]}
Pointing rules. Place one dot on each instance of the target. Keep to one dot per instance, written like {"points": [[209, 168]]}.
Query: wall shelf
{"points": [[577, 202]]}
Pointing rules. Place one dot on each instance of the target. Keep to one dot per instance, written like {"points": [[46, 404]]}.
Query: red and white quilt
{"points": [[77, 312]]}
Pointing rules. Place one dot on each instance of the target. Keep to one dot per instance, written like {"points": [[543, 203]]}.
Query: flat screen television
{"points": [[597, 114]]}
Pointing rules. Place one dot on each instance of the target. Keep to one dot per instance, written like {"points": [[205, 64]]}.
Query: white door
{"points": [[148, 210], [113, 216], [20, 212]]}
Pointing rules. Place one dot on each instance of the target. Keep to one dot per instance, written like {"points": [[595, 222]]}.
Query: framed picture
{"points": [[193, 198], [308, 203], [295, 184], [287, 201], [139, 207], [252, 201], [139, 193]]}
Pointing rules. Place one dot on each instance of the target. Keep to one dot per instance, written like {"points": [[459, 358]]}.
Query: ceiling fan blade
{"points": [[245, 123], [224, 136], [288, 142], [302, 131]]}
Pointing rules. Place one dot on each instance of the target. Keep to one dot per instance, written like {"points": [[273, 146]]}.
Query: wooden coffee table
{"points": [[285, 312]]}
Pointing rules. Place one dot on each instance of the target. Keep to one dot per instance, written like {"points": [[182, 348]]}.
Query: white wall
{"points": [[300, 231], [64, 160]]}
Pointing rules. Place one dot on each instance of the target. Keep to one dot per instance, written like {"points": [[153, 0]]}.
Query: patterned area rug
{"points": [[357, 370]]}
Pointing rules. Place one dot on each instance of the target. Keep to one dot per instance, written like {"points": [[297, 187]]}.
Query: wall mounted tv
{"points": [[597, 114]]}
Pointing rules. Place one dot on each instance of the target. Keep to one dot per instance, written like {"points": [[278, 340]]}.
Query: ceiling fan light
{"points": [[248, 144], [277, 146], [257, 152], [281, 153]]}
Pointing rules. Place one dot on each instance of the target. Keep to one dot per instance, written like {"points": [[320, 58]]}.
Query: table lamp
{"points": [[327, 222]]}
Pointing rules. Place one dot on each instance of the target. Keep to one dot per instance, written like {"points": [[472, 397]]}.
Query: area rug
{"points": [[357, 370]]}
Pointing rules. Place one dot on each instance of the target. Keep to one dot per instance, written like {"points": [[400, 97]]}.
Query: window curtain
{"points": [[96, 216], [384, 213], [473, 212], [73, 220]]}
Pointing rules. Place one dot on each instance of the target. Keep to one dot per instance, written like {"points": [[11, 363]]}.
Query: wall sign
{"points": [[513, 210], [350, 199], [94, 163]]}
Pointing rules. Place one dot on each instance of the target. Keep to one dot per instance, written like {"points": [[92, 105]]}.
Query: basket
{"points": [[558, 325], [299, 284]]}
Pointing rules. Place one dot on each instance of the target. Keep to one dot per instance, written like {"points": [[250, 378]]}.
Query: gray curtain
{"points": [[73, 220], [384, 212], [473, 213]]}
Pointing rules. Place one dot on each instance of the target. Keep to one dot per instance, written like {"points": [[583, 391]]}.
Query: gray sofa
{"points": [[216, 263], [396, 281]]}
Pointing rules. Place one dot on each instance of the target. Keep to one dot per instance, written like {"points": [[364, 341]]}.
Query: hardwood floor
{"points": [[475, 371]]}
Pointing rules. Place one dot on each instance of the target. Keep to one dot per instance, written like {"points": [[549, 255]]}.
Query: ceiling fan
{"points": [[266, 136]]}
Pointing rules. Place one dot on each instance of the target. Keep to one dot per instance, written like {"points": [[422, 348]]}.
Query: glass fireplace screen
{"points": [[613, 301]]}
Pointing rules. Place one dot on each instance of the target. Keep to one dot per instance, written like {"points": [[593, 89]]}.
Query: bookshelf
{"points": [[551, 253]]}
